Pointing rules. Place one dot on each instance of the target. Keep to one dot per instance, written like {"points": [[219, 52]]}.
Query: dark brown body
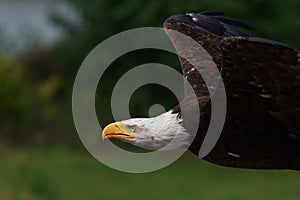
{"points": [[262, 82]]}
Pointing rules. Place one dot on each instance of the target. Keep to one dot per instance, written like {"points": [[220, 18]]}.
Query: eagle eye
{"points": [[132, 128]]}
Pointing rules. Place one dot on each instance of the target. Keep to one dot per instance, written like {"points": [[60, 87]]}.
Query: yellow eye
{"points": [[132, 128]]}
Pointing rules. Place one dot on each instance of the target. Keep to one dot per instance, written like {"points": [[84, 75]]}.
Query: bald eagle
{"points": [[262, 82]]}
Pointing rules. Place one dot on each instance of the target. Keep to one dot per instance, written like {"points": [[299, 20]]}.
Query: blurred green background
{"points": [[43, 45]]}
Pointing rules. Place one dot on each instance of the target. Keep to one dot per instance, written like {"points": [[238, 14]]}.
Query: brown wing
{"points": [[267, 71], [261, 78], [210, 42], [263, 89], [207, 28]]}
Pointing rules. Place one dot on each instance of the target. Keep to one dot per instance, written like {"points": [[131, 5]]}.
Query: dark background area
{"points": [[41, 154]]}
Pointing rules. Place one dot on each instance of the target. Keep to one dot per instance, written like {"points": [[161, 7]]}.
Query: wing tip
{"points": [[212, 21]]}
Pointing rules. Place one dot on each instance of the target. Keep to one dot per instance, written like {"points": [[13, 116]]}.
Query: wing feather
{"points": [[262, 81], [267, 70]]}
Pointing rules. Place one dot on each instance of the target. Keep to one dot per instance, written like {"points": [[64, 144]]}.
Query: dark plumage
{"points": [[262, 82]]}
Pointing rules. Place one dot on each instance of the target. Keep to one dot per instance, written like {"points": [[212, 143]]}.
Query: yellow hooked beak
{"points": [[115, 131]]}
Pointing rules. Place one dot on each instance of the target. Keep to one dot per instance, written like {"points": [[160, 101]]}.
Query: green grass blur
{"points": [[60, 173]]}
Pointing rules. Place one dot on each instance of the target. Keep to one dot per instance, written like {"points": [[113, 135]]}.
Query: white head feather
{"points": [[163, 132]]}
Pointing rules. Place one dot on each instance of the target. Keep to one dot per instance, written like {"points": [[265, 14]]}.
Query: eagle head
{"points": [[163, 132]]}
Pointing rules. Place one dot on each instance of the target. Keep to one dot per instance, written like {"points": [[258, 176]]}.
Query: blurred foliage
{"points": [[26, 104], [36, 90]]}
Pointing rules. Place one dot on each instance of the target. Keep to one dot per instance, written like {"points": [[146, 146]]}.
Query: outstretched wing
{"points": [[266, 75], [207, 28], [262, 84], [262, 81]]}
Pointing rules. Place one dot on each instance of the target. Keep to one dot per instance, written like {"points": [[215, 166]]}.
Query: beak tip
{"points": [[103, 136], [113, 130]]}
